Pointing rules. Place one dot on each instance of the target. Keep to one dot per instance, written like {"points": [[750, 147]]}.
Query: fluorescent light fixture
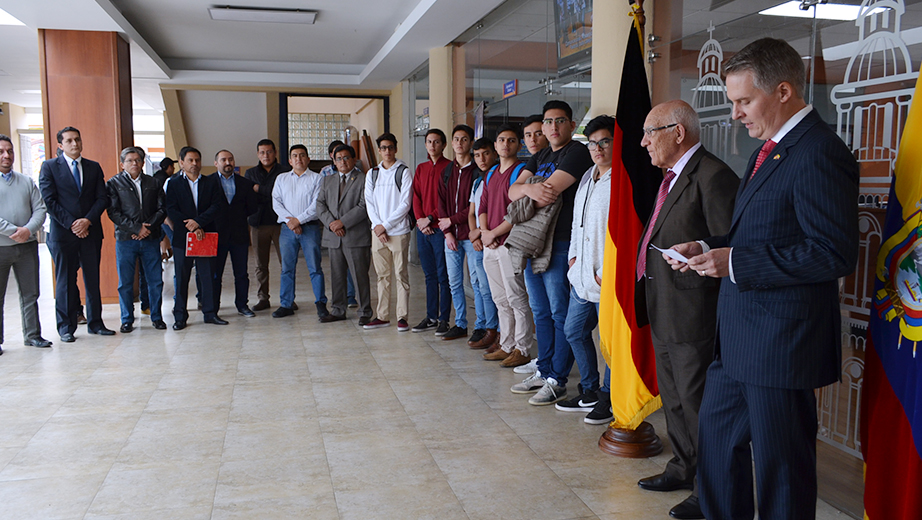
{"points": [[823, 11], [29, 91], [8, 19], [255, 14]]}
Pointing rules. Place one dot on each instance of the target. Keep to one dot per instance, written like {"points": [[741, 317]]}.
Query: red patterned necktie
{"points": [[763, 154], [660, 199]]}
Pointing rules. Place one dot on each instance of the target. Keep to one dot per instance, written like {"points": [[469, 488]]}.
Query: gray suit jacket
{"points": [[348, 208], [682, 307]]}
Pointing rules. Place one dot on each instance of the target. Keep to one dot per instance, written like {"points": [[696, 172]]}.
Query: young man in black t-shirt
{"points": [[562, 164]]}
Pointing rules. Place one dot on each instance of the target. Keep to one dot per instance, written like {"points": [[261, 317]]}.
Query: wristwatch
{"points": [[432, 219]]}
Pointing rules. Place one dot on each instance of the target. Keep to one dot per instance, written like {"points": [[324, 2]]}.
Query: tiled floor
{"points": [[288, 418]]}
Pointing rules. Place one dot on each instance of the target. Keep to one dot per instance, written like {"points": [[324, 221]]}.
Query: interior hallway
{"points": [[289, 418]]}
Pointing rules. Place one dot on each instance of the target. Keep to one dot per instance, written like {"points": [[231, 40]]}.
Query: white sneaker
{"points": [[550, 393], [530, 368], [531, 384]]}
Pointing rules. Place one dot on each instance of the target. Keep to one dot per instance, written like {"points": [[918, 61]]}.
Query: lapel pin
{"points": [[776, 157]]}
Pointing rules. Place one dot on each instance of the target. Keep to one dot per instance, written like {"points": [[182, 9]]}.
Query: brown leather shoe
{"points": [[261, 305], [488, 340], [494, 347], [499, 355], [515, 359]]}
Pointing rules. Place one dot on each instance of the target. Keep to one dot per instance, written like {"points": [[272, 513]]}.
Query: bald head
{"points": [[683, 130]]}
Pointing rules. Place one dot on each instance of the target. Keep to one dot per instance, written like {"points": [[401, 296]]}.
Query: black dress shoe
{"points": [[179, 325], [103, 332], [39, 342], [159, 325], [330, 318], [664, 482], [216, 321], [364, 320], [125, 328], [246, 312], [281, 312], [67, 337], [687, 509]]}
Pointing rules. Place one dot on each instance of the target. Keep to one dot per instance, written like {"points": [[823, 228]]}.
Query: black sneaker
{"points": [[477, 335], [601, 413], [584, 402], [443, 329], [454, 333], [425, 325]]}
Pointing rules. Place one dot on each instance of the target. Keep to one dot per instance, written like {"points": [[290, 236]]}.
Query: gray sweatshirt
{"points": [[21, 204], [587, 238]]}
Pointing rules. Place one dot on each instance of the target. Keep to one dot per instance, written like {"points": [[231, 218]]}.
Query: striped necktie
{"points": [[660, 199], [763, 154]]}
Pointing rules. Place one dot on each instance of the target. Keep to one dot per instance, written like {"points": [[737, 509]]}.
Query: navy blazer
{"points": [[794, 232], [180, 206], [65, 204], [234, 228]]}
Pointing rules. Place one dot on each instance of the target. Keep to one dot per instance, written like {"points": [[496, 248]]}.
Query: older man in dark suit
{"points": [[794, 232], [74, 190], [194, 203], [695, 201], [346, 234], [233, 231]]}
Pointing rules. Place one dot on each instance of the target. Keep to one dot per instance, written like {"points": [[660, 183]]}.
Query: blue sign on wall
{"points": [[510, 88]]}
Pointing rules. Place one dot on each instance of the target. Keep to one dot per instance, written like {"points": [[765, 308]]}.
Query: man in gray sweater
{"points": [[22, 213]]}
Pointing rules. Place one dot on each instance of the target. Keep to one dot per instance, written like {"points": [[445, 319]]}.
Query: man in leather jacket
{"points": [[136, 207]]}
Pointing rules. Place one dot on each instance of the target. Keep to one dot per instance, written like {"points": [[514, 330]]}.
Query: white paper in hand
{"points": [[671, 253]]}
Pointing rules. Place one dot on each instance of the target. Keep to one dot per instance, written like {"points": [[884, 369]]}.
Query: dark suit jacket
{"points": [[233, 229], [794, 233], [350, 209], [180, 206], [128, 213], [65, 204], [682, 307]]}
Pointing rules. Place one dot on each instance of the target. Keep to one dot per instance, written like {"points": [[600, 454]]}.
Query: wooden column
{"points": [[86, 83]]}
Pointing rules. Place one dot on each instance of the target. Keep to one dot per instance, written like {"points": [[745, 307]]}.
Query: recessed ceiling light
{"points": [[823, 11], [8, 19], [254, 14]]}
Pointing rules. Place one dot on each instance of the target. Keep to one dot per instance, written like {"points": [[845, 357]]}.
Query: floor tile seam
{"points": [[323, 446]]}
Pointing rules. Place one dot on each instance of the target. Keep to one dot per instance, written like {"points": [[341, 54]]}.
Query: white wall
{"points": [[216, 120]]}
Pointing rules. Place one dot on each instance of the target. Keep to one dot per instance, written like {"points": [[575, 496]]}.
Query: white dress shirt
{"points": [[296, 196]]}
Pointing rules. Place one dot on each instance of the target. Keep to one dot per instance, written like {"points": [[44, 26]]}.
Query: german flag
{"points": [[891, 420], [626, 347]]}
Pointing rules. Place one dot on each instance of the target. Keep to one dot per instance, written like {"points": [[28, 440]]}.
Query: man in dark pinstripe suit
{"points": [[794, 232]]}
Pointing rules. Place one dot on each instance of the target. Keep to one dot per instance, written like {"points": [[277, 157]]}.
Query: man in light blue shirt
{"points": [[294, 199]]}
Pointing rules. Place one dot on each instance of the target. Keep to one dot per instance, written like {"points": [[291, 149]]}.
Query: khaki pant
{"points": [[388, 257], [516, 325], [262, 238]]}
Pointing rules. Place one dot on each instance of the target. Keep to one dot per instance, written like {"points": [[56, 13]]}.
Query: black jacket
{"points": [[180, 206], [233, 228], [265, 215], [127, 212]]}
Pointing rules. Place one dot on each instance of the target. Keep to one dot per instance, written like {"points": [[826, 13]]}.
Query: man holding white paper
{"points": [[695, 201]]}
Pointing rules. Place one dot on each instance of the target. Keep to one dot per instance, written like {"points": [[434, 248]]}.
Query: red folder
{"points": [[207, 246]]}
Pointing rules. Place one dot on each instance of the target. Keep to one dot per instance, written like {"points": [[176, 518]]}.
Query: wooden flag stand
{"points": [[641, 443]]}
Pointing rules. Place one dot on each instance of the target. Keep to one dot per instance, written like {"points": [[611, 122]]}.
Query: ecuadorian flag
{"points": [[891, 422], [627, 348]]}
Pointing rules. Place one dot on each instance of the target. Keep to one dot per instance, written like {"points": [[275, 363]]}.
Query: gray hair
{"points": [[771, 62], [131, 149]]}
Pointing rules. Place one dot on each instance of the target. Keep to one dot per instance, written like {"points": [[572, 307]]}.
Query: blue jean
{"points": [[549, 297], [431, 249], [454, 264], [582, 318], [308, 242], [487, 316], [127, 253]]}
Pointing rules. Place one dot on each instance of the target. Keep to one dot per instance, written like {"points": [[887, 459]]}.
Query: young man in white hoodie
{"points": [[587, 252], [388, 193]]}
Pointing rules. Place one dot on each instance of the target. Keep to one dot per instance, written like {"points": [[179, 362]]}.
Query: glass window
{"points": [[315, 131]]}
